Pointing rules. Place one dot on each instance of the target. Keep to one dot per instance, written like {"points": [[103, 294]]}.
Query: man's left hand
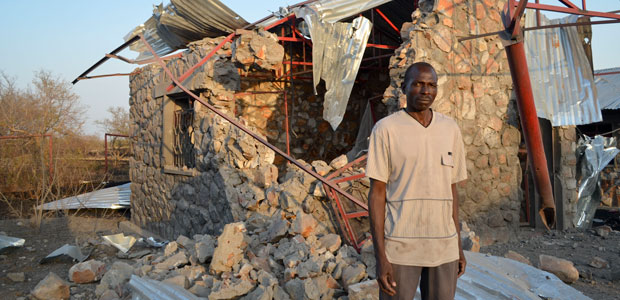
{"points": [[462, 264]]}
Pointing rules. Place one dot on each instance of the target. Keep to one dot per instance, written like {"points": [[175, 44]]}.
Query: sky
{"points": [[67, 37]]}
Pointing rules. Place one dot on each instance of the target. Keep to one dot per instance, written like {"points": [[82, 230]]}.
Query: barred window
{"points": [[178, 153]]}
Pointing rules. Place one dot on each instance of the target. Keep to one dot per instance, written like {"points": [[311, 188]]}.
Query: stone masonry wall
{"points": [[566, 173], [234, 178], [475, 89]]}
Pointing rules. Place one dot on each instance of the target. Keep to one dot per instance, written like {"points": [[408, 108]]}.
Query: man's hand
{"points": [[385, 276], [462, 264]]}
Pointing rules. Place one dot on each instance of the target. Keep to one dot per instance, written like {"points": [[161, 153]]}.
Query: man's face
{"points": [[423, 89]]}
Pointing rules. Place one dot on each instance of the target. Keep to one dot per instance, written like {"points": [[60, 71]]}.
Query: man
{"points": [[415, 159]]}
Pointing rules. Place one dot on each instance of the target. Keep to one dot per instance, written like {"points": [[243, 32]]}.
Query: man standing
{"points": [[415, 159]]}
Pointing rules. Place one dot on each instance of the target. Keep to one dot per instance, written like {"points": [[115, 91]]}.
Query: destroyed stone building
{"points": [[193, 172]]}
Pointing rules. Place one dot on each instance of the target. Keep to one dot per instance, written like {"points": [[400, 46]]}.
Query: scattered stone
{"points": [[368, 258], [51, 287], [115, 279], [321, 167], [353, 274], [179, 280], [109, 295], [139, 254], [331, 242], [339, 162], [175, 261], [16, 277], [230, 290], [599, 263], [230, 248], [603, 231], [205, 248], [304, 224], [171, 248], [185, 242], [86, 272], [518, 257], [366, 290], [564, 269]]}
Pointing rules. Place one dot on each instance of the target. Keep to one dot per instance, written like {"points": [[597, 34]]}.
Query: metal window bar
{"points": [[183, 147]]}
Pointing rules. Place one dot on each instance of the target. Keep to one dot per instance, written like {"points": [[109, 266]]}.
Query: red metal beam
{"points": [[571, 10], [378, 46], [387, 20], [569, 4], [281, 21], [531, 130]]}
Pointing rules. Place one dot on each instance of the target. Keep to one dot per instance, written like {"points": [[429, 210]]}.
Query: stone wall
{"points": [[475, 89], [234, 177], [565, 174]]}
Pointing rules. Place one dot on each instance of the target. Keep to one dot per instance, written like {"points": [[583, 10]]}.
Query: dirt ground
{"points": [[54, 233], [577, 246], [574, 245]]}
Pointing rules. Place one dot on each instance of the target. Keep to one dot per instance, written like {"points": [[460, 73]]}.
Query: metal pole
{"points": [[531, 130]]}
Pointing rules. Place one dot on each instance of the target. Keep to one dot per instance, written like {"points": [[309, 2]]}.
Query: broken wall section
{"points": [[474, 89], [224, 175]]}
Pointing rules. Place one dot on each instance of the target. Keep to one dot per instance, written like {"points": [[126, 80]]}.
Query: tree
{"points": [[118, 122], [47, 105]]}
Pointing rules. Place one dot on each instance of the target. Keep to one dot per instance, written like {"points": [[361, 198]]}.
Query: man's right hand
{"points": [[386, 277]]}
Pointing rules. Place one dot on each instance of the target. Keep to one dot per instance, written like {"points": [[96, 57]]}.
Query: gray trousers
{"points": [[436, 283]]}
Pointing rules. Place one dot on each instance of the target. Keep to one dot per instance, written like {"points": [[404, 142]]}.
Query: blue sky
{"points": [[67, 37]]}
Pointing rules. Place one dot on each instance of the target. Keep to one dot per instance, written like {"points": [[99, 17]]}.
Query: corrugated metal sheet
{"points": [[175, 25], [562, 81], [332, 10], [608, 88], [113, 198], [336, 44]]}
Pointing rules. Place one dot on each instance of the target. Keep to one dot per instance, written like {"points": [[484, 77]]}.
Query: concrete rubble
{"points": [[51, 287]]}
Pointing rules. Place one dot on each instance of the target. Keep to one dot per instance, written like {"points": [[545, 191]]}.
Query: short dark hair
{"points": [[409, 73]]}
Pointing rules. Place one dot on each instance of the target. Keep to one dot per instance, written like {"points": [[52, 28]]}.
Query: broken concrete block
{"points": [[17, 277], [368, 257], [174, 261], [599, 263], [231, 245], [265, 176], [115, 278], [278, 228], [88, 271], [231, 290], [304, 224], [200, 289], [331, 242], [171, 248], [302, 289], [321, 167], [205, 248], [260, 293], [353, 274], [366, 290], [339, 162], [179, 280], [564, 269], [185, 242], [518, 257], [51, 287], [319, 191]]}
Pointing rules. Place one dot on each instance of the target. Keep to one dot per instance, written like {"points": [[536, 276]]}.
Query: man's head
{"points": [[420, 86]]}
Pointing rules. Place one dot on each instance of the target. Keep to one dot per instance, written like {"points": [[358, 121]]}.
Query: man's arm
{"points": [[455, 217], [376, 210]]}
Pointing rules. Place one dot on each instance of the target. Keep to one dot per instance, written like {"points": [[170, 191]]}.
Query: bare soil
{"points": [[577, 246], [53, 233]]}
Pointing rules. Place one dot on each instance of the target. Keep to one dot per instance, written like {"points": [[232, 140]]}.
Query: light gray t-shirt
{"points": [[419, 165]]}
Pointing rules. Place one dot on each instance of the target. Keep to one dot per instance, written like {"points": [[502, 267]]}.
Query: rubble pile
{"points": [[282, 259]]}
